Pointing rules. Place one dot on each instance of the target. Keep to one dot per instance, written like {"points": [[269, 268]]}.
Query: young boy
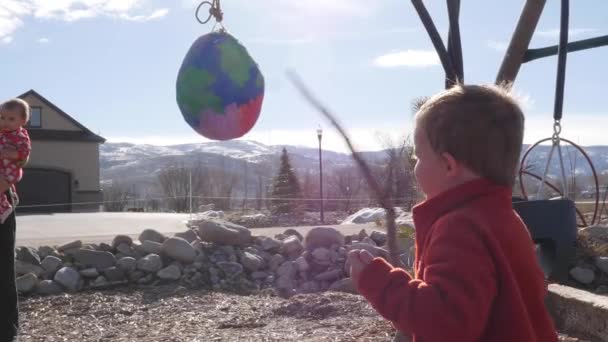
{"points": [[476, 273], [15, 149]]}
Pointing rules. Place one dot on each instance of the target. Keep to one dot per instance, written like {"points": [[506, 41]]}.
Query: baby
{"points": [[15, 149]]}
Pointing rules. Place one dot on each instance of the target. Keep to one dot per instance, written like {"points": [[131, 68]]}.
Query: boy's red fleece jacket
{"points": [[477, 277]]}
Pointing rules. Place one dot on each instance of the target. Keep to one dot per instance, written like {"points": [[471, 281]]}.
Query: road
{"points": [[56, 229]]}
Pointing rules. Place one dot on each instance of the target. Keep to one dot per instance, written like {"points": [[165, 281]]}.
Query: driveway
{"points": [[56, 229]]}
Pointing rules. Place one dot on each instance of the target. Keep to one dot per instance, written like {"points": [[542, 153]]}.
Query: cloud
{"points": [[12, 12], [44, 40], [408, 58], [573, 32], [159, 13], [501, 46]]}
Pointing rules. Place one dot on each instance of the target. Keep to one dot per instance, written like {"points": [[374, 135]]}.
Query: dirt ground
{"points": [[173, 313]]}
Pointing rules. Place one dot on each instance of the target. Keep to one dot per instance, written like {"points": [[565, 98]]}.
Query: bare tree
{"points": [[346, 183], [222, 185], [174, 181], [116, 196], [400, 183]]}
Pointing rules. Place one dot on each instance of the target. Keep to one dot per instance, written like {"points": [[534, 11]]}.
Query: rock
{"points": [[29, 255], [375, 251], [69, 278], [330, 275], [594, 240], [293, 232], [582, 275], [136, 275], [48, 287], [208, 215], [114, 273], [602, 289], [51, 264], [309, 287], [152, 247], [602, 264], [179, 249], [252, 262], [369, 241], [44, 251], [100, 281], [344, 285], [120, 239], [270, 244], [125, 250], [171, 272], [231, 269], [147, 279], [323, 237], [26, 283], [89, 272], [302, 264], [223, 232], [292, 247], [189, 235], [151, 235], [362, 235], [127, 264], [275, 261], [378, 237], [97, 259], [70, 245], [150, 263], [287, 269], [259, 275], [322, 256], [22, 267], [104, 247]]}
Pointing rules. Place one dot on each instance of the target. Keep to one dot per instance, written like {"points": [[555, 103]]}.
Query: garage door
{"points": [[48, 188]]}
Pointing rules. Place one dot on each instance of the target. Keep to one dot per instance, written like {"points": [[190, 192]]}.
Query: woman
{"points": [[9, 310]]}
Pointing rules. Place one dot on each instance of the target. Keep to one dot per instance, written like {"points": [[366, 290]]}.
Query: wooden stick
{"points": [[383, 199], [520, 41]]}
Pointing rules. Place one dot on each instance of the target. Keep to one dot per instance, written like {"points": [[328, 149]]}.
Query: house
{"points": [[63, 169]]}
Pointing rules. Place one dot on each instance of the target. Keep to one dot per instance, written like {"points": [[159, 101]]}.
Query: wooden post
{"points": [[520, 41]]}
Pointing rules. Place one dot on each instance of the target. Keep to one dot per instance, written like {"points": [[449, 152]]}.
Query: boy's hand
{"points": [[358, 259]]}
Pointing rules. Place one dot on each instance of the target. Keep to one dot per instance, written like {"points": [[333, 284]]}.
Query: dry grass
{"points": [[173, 313]]}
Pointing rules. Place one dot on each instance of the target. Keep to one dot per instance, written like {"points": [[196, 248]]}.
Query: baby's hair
{"points": [[18, 104]]}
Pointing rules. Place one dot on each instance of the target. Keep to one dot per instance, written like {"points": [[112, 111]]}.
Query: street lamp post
{"points": [[320, 135]]}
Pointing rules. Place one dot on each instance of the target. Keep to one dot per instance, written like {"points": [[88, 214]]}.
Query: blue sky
{"points": [[112, 64]]}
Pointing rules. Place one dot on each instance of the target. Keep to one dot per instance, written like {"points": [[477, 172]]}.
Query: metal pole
{"points": [[520, 41], [319, 135], [190, 189]]}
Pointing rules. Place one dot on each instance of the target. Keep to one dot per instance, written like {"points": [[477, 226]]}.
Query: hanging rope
{"points": [[559, 99], [215, 11]]}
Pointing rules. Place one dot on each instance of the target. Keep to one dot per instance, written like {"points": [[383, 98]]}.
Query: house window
{"points": [[35, 118]]}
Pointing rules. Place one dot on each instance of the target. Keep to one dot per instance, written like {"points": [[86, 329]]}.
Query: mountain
{"points": [[139, 164]]}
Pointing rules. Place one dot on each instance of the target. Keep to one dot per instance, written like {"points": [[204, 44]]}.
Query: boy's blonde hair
{"points": [[17, 104], [481, 126]]}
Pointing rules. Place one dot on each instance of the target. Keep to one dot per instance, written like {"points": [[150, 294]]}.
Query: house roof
{"points": [[46, 134]]}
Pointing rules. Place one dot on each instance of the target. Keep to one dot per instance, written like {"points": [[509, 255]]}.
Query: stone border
{"points": [[578, 312]]}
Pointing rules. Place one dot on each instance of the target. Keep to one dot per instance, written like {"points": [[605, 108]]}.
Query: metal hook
{"points": [[214, 11]]}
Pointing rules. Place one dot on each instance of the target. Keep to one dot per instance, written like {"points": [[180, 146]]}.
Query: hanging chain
{"points": [[557, 130], [215, 11]]}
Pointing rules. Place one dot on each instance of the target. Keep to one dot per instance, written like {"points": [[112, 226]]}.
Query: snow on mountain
{"points": [[140, 164]]}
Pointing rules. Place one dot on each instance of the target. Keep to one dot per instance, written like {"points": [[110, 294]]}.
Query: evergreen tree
{"points": [[285, 187]]}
